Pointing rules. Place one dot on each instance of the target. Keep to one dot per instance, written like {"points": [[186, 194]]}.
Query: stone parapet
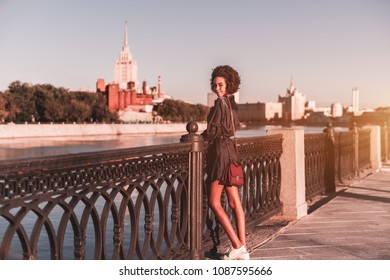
{"points": [[375, 147], [293, 172]]}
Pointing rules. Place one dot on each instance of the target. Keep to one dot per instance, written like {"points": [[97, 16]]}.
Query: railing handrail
{"points": [[12, 166]]}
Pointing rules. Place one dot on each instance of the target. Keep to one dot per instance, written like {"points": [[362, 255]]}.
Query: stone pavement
{"points": [[354, 224]]}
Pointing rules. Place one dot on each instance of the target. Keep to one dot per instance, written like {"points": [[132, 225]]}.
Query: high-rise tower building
{"points": [[355, 100], [293, 103], [125, 67]]}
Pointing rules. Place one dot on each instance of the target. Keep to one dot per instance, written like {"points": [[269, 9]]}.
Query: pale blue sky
{"points": [[328, 47]]}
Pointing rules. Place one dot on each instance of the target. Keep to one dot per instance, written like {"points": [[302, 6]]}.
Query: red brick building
{"points": [[120, 99]]}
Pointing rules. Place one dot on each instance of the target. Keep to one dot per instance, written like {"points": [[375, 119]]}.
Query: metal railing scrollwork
{"points": [[137, 203], [126, 204], [315, 164], [333, 157]]}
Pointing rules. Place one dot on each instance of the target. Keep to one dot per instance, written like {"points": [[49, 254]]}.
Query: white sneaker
{"points": [[237, 254], [243, 256]]}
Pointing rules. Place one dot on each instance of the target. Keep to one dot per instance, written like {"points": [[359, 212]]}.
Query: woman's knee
{"points": [[233, 200], [214, 204], [232, 204]]}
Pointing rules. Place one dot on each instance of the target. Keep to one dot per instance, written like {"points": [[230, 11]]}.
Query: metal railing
{"points": [[315, 164], [331, 158], [138, 203], [151, 202], [105, 202]]}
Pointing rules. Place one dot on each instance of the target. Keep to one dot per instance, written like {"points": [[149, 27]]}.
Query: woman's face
{"points": [[220, 86]]}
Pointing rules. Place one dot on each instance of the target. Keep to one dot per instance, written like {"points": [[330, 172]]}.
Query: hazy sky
{"points": [[328, 47]]}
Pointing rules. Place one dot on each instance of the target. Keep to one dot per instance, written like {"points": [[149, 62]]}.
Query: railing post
{"points": [[375, 147], [356, 149], [292, 161], [330, 161], [195, 186]]}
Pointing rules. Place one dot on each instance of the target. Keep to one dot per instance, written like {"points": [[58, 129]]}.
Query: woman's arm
{"points": [[213, 122]]}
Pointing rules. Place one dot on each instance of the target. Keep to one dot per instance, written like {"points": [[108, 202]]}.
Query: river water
{"points": [[38, 147]]}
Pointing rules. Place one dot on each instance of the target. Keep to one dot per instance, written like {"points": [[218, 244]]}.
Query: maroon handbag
{"points": [[234, 172]]}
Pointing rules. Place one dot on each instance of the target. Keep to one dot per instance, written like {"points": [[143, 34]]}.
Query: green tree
{"points": [[180, 111], [3, 111], [81, 111], [46, 103], [22, 101]]}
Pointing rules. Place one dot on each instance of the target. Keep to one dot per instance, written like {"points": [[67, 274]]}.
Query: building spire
{"points": [[292, 86], [125, 44], [125, 67]]}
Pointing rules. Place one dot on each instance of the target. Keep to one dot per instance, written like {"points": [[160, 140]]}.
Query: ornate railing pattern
{"points": [[344, 144], [261, 161], [315, 164], [125, 204], [333, 157]]}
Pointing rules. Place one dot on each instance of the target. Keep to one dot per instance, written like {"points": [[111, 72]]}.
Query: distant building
{"points": [[310, 105], [355, 100], [124, 94], [327, 111], [119, 99], [273, 110], [100, 85], [211, 97], [237, 97], [125, 67], [293, 104], [251, 112], [259, 112], [337, 110]]}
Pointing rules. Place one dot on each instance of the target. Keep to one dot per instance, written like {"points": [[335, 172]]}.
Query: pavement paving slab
{"points": [[353, 224]]}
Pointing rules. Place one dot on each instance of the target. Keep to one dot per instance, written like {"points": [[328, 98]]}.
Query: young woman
{"points": [[225, 81]]}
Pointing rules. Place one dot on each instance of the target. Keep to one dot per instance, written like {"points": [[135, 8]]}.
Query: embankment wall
{"points": [[9, 131]]}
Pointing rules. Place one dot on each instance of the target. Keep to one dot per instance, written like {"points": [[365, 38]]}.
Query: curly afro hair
{"points": [[231, 76]]}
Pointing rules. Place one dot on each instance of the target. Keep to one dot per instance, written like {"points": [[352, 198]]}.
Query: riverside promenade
{"points": [[353, 224]]}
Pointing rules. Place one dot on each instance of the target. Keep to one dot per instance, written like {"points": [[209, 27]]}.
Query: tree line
{"points": [[180, 111], [23, 102], [45, 103]]}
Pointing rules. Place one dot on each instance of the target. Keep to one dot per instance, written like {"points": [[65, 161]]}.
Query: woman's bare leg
{"points": [[235, 203], [215, 204]]}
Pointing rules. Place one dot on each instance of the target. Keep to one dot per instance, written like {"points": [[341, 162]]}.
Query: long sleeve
{"points": [[213, 123], [219, 121]]}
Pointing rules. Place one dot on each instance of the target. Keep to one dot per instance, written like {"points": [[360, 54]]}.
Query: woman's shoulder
{"points": [[221, 102], [217, 101]]}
